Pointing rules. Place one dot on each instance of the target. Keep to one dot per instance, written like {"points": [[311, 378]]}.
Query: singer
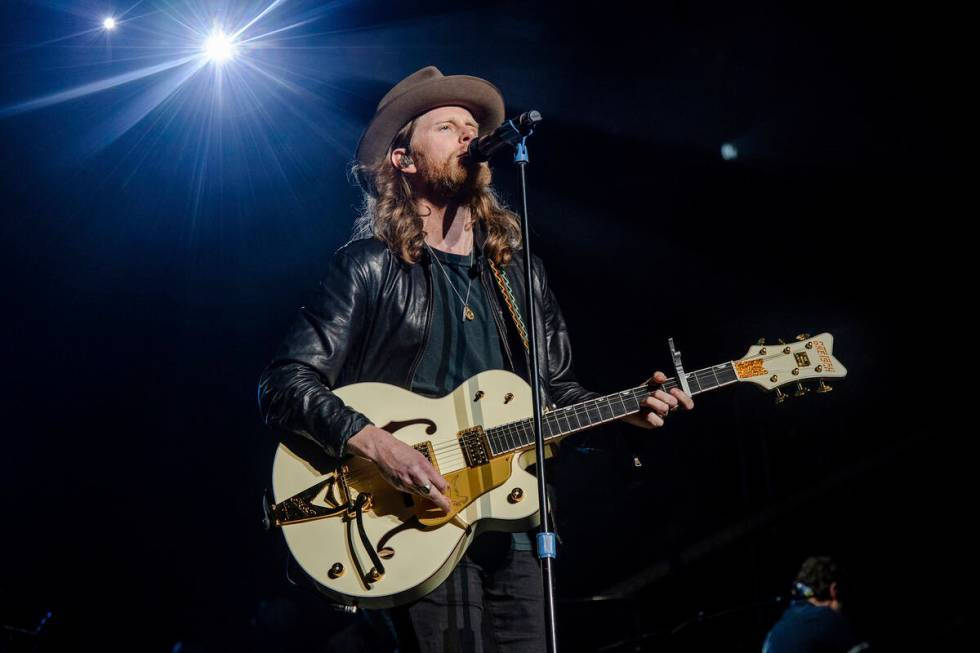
{"points": [[423, 297]]}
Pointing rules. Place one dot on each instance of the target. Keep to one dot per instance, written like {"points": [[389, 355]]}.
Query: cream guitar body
{"points": [[417, 556]]}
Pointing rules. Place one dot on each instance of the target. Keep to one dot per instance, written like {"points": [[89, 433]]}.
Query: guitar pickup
{"points": [[475, 447], [425, 448]]}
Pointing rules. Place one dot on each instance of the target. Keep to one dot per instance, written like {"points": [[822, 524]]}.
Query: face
{"points": [[441, 139]]}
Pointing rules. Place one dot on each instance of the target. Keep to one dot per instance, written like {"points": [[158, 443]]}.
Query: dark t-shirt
{"points": [[457, 349], [808, 628]]}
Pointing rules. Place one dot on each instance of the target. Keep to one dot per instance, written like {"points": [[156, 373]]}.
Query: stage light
{"points": [[109, 23], [729, 152], [219, 47]]}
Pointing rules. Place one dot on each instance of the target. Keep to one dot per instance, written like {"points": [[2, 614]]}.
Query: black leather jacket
{"points": [[369, 321]]}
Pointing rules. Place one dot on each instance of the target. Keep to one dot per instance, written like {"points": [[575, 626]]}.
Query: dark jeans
{"points": [[492, 602]]}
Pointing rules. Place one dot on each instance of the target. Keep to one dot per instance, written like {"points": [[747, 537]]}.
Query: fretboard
{"points": [[592, 412]]}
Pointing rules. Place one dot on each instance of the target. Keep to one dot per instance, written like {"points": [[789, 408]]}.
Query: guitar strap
{"points": [[508, 293]]}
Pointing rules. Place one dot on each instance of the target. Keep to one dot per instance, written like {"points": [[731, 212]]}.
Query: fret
{"points": [[703, 379], [634, 403], [516, 437], [641, 393], [568, 425], [557, 429], [730, 374], [492, 439], [592, 411], [622, 405], [526, 431], [693, 381], [605, 410], [550, 425], [505, 437]]}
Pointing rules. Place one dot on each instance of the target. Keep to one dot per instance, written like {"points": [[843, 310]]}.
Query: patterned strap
{"points": [[508, 294]]}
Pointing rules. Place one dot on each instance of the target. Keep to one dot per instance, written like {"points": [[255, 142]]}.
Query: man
{"points": [[431, 296], [813, 622]]}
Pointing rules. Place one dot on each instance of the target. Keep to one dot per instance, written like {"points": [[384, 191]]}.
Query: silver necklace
{"points": [[468, 313]]}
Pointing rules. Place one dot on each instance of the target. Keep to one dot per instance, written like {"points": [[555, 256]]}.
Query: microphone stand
{"points": [[546, 548]]}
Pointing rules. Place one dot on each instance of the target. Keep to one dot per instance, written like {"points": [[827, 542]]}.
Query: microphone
{"points": [[510, 133]]}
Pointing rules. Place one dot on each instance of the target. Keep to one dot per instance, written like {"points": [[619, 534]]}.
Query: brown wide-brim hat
{"points": [[423, 91]]}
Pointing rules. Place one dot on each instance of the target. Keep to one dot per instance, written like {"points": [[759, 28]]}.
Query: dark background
{"points": [[157, 241]]}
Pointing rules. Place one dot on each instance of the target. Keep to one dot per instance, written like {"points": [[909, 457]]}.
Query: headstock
{"points": [[774, 365]]}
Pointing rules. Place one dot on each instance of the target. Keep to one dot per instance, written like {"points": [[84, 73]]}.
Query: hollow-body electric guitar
{"points": [[366, 543]]}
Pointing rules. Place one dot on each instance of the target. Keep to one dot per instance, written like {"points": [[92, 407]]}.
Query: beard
{"points": [[453, 179]]}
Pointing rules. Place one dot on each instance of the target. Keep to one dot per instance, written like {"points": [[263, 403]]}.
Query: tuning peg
{"points": [[824, 387], [800, 390], [780, 396], [761, 342], [803, 336], [781, 341]]}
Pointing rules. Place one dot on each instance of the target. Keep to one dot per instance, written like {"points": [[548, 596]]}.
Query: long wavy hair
{"points": [[389, 211]]}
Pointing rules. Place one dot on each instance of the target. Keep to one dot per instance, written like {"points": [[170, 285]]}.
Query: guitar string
{"points": [[450, 453], [577, 411]]}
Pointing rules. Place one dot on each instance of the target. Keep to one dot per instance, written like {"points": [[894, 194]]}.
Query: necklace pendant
{"points": [[468, 313]]}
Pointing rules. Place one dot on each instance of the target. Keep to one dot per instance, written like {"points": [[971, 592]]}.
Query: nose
{"points": [[468, 134]]}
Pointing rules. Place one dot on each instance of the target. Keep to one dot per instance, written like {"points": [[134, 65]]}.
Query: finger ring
{"points": [[424, 489]]}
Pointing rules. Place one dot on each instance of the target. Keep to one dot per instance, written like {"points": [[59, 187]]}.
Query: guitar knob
{"points": [[800, 390], [824, 387], [780, 397]]}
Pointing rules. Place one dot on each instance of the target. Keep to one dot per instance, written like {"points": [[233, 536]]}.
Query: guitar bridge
{"points": [[476, 447], [425, 448]]}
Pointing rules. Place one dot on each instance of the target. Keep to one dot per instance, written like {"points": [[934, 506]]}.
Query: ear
{"points": [[402, 161], [833, 591]]}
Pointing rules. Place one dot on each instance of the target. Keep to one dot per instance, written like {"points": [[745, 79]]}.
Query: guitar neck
{"points": [[559, 423]]}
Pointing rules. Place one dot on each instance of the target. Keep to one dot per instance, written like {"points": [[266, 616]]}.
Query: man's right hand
{"points": [[402, 466]]}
